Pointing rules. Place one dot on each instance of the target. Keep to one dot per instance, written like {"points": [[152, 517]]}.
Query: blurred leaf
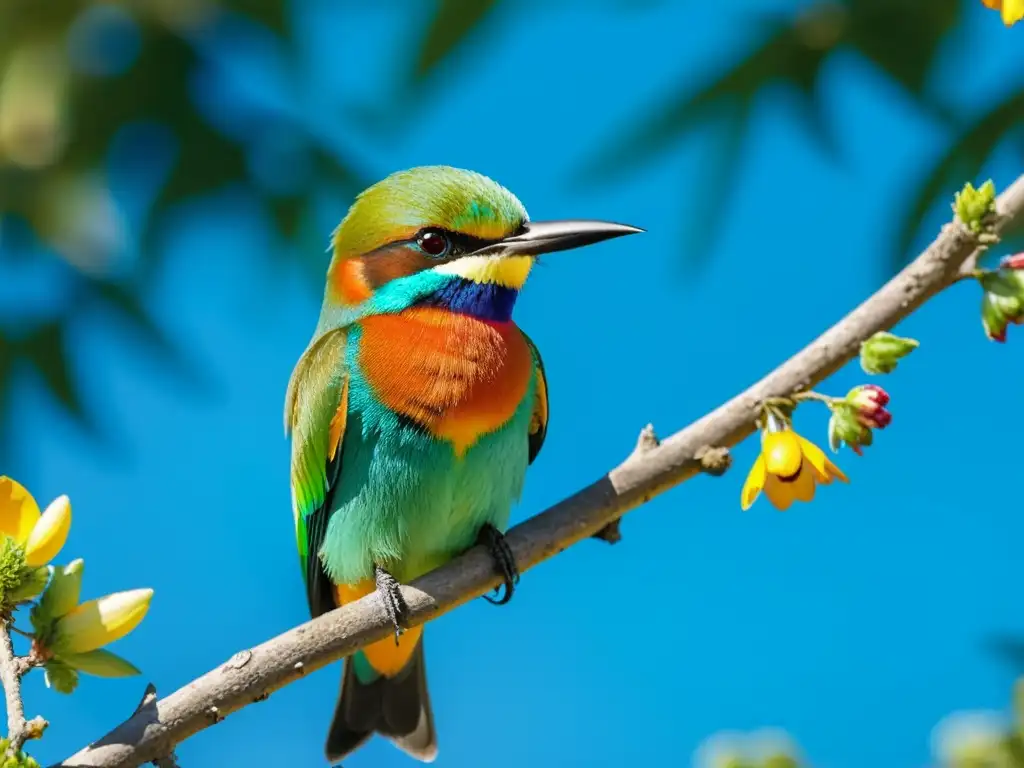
{"points": [[783, 57], [271, 13], [287, 214], [706, 210], [127, 307], [6, 369], [961, 162], [1009, 649], [902, 37], [452, 24], [46, 350]]}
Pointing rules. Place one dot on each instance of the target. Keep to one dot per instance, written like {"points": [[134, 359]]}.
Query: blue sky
{"points": [[856, 623]]}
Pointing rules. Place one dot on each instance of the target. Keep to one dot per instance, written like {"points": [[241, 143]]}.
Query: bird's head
{"points": [[434, 230]]}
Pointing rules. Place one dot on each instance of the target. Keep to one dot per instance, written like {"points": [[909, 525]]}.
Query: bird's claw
{"points": [[390, 592], [495, 542]]}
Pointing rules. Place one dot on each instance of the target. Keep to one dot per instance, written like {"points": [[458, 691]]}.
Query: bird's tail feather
{"points": [[397, 708]]}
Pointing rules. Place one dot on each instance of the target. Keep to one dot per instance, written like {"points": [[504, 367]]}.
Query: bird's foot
{"points": [[390, 592], [495, 542]]}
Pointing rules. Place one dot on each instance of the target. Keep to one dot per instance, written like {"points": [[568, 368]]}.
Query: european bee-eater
{"points": [[414, 412]]}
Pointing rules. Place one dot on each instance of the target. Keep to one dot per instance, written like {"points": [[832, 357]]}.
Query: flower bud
{"points": [[1012, 262], [881, 352], [1002, 300], [49, 533], [101, 663], [845, 427], [869, 401], [973, 206], [64, 590], [99, 622]]}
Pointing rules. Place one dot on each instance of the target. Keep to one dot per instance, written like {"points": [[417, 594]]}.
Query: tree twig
{"points": [[253, 674], [12, 669]]}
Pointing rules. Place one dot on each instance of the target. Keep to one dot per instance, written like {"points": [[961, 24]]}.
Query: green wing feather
{"points": [[314, 415], [539, 422]]}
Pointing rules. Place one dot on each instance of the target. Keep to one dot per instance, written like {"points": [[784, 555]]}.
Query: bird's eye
{"points": [[433, 243]]}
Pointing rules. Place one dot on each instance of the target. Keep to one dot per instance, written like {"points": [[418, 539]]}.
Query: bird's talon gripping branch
{"points": [[495, 542], [390, 592]]}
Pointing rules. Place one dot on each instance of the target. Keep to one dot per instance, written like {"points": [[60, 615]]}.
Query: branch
{"points": [[12, 669], [251, 675]]}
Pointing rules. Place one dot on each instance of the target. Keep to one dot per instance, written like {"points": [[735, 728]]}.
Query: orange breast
{"points": [[457, 376]]}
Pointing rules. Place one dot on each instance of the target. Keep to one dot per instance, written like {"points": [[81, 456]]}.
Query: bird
{"points": [[413, 414]]}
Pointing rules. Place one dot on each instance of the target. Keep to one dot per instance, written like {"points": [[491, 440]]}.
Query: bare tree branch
{"points": [[12, 669], [253, 674]]}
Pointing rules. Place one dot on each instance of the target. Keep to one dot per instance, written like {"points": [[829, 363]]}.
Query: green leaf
{"points": [[63, 593], [60, 676], [101, 663]]}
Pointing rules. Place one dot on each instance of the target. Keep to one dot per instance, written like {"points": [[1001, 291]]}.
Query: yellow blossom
{"points": [[42, 535], [1012, 10], [788, 468], [98, 622]]}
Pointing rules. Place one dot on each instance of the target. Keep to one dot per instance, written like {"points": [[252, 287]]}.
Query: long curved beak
{"points": [[539, 237]]}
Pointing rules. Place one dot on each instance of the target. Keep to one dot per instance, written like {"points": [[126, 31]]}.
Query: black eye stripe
{"points": [[460, 242]]}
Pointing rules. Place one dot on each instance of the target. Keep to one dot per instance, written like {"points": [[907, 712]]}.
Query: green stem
{"points": [[817, 396]]}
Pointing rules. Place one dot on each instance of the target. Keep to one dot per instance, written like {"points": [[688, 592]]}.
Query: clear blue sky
{"points": [[856, 623]]}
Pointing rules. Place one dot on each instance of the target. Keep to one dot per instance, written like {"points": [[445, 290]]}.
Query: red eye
{"points": [[433, 243]]}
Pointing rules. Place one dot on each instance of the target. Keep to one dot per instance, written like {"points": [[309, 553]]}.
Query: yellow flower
{"points": [[99, 622], [1013, 10], [788, 468], [42, 536]]}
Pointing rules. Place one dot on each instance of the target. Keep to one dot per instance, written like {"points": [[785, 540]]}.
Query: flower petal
{"points": [[802, 487], [753, 485], [49, 533], [781, 451], [824, 469], [835, 471], [780, 494], [1013, 11], [99, 622], [18, 510]]}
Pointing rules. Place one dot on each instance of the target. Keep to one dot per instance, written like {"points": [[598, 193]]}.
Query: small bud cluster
{"points": [[976, 207], [856, 415]]}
